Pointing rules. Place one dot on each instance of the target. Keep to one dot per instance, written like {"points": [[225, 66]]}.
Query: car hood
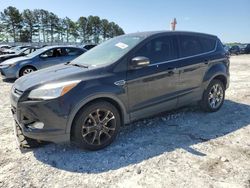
{"points": [[49, 75], [14, 60]]}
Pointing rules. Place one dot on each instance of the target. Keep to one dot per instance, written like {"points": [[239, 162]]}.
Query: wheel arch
{"points": [[24, 66], [217, 71], [102, 97]]}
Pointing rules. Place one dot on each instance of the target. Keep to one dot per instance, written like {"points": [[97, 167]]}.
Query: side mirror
{"points": [[139, 62], [43, 56]]}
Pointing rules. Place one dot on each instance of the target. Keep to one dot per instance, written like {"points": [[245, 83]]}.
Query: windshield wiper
{"points": [[79, 65]]}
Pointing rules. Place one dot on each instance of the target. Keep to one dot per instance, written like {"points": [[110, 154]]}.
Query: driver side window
{"points": [[158, 50], [57, 52]]}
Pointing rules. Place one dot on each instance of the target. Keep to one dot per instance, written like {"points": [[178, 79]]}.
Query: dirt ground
{"points": [[184, 148]]}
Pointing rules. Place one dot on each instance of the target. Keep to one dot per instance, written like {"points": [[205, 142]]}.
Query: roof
{"points": [[150, 33], [60, 46]]}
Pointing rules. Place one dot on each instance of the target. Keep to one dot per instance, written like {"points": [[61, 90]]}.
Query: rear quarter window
{"points": [[208, 44], [189, 45]]}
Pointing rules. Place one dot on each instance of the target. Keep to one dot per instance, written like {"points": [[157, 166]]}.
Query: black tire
{"points": [[207, 103], [25, 142], [26, 70], [89, 131]]}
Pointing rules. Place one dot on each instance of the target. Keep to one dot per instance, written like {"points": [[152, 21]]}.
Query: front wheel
{"points": [[213, 97], [27, 70], [96, 126]]}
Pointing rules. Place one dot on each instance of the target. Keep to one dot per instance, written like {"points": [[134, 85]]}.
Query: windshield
{"points": [[109, 51], [37, 52], [22, 51]]}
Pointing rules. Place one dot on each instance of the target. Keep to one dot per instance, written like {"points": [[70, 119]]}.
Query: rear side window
{"points": [[73, 51], [208, 44], [189, 45], [158, 50], [56, 52]]}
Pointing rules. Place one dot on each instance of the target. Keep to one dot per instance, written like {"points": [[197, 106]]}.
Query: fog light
{"points": [[37, 125]]}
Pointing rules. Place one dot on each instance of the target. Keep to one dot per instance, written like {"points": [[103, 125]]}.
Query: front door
{"points": [[152, 89], [51, 57]]}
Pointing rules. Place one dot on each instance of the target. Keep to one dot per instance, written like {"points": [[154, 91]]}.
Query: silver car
{"points": [[42, 58]]}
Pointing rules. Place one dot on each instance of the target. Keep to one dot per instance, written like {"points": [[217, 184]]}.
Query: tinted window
{"points": [[158, 50], [208, 44], [73, 51], [57, 52], [190, 45]]}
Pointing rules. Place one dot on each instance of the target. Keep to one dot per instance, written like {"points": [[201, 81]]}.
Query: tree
{"points": [[38, 22], [30, 23], [11, 18], [53, 25], [82, 28], [105, 28], [94, 28], [44, 22], [48, 27]]}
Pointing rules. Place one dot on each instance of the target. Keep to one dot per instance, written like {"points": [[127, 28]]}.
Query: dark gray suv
{"points": [[122, 80]]}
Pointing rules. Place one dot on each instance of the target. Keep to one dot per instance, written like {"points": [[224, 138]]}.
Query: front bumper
{"points": [[28, 113], [8, 72]]}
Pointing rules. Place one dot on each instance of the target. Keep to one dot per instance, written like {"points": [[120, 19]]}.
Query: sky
{"points": [[228, 19]]}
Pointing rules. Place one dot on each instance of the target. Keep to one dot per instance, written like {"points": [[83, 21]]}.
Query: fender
{"points": [[218, 69], [90, 98], [25, 64]]}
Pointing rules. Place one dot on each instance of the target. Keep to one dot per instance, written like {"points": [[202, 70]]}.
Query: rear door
{"points": [[152, 89], [195, 55]]}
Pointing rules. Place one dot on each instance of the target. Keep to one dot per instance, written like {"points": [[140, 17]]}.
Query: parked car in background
{"points": [[247, 49], [4, 47], [242, 48], [42, 58], [13, 50], [124, 79], [22, 52], [226, 47], [234, 50]]}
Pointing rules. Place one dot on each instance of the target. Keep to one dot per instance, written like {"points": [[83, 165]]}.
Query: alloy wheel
{"points": [[98, 127], [27, 71], [215, 96]]}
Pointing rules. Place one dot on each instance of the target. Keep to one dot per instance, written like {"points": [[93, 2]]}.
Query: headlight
{"points": [[7, 66], [51, 91]]}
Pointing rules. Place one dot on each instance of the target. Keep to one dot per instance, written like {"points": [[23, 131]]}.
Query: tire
{"points": [[96, 126], [26, 70], [25, 142], [213, 98]]}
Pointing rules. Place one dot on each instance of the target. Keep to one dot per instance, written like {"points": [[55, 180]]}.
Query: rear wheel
{"points": [[213, 96], [96, 126], [26, 70]]}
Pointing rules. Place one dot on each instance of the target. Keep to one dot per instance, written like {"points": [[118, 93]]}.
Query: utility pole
{"points": [[173, 24]]}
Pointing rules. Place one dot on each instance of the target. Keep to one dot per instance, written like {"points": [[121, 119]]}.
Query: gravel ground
{"points": [[184, 148]]}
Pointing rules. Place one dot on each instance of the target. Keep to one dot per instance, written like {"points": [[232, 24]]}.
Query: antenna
{"points": [[173, 24]]}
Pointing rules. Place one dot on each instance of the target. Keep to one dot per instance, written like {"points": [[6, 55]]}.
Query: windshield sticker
{"points": [[121, 45]]}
